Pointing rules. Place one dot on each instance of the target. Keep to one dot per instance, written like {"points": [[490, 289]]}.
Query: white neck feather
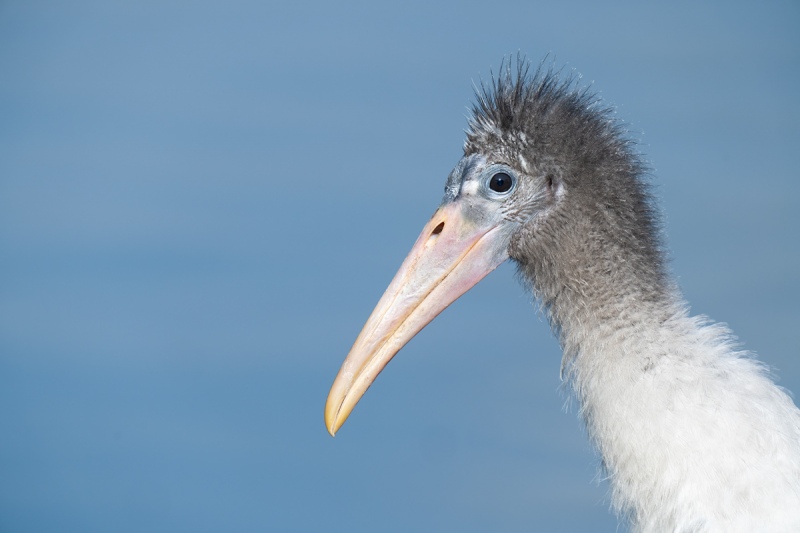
{"points": [[693, 435]]}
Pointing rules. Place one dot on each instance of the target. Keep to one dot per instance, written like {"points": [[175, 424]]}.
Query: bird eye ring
{"points": [[501, 182], [498, 182]]}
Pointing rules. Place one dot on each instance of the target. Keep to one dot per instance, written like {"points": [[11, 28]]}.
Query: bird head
{"points": [[537, 163]]}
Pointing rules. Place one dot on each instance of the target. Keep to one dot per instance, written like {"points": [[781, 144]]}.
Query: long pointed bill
{"points": [[453, 253]]}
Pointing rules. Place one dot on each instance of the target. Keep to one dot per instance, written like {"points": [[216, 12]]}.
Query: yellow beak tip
{"points": [[331, 428], [331, 423]]}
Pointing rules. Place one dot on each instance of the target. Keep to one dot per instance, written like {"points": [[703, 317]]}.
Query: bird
{"points": [[691, 431]]}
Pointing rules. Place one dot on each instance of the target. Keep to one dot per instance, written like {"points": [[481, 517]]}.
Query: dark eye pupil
{"points": [[500, 182]]}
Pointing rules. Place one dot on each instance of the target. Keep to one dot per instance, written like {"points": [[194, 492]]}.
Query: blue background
{"points": [[200, 204]]}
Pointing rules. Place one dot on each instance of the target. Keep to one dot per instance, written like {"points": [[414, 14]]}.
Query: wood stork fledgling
{"points": [[694, 436]]}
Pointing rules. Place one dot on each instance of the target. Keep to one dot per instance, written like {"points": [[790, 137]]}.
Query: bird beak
{"points": [[453, 253]]}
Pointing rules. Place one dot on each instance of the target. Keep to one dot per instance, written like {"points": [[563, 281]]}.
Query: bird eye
{"points": [[500, 182]]}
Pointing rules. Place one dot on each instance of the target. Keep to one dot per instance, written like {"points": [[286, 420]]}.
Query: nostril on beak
{"points": [[435, 233]]}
